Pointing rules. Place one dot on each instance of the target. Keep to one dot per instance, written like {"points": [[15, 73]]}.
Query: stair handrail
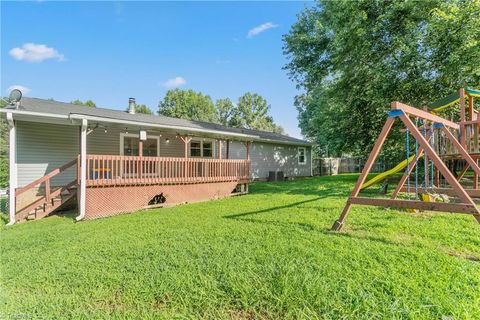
{"points": [[46, 178]]}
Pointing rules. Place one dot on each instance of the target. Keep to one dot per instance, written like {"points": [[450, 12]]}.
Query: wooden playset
{"points": [[445, 139]]}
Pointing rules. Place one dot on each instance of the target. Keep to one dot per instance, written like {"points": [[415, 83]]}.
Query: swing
{"points": [[430, 196], [407, 145]]}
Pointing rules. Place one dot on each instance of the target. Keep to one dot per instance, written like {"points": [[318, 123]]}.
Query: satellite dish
{"points": [[15, 95]]}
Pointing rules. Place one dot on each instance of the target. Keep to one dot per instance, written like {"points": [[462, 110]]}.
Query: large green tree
{"points": [[88, 103], [225, 109], [3, 147], [188, 104], [141, 108], [251, 112], [352, 58]]}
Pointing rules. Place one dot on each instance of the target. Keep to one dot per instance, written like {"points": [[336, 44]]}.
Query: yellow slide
{"points": [[379, 177]]}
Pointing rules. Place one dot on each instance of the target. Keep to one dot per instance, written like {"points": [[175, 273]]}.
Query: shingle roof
{"points": [[66, 109]]}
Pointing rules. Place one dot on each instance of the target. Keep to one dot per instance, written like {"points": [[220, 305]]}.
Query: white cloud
{"points": [[174, 82], [32, 52], [261, 28], [24, 90]]}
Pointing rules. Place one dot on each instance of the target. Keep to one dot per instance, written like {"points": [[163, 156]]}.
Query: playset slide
{"points": [[380, 177]]}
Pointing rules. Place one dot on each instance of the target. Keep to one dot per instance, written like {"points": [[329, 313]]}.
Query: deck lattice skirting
{"points": [[108, 201]]}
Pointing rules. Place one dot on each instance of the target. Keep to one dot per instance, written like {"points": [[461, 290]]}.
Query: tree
{"points": [[225, 109], [352, 58], [3, 147], [188, 104], [141, 108], [251, 112], [88, 103]]}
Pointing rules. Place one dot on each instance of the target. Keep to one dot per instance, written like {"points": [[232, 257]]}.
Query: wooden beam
{"points": [[450, 192], [421, 205], [470, 108], [338, 225], [186, 140], [423, 115], [463, 135], [462, 173], [219, 149]]}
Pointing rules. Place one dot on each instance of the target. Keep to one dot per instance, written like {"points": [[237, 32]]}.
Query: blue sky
{"points": [[109, 51]]}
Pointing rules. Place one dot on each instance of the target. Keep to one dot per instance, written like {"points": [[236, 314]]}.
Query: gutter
{"points": [[247, 137], [32, 113], [76, 116]]}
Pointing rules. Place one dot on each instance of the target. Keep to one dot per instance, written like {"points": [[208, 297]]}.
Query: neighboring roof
{"points": [[51, 107]]}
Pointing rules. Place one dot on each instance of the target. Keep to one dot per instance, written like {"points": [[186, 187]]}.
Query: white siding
{"points": [[267, 157]]}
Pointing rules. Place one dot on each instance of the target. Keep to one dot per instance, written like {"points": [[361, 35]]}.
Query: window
{"points": [[302, 155], [207, 148], [195, 149], [201, 148], [129, 145]]}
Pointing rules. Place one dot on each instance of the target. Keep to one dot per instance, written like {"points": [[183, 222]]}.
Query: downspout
{"points": [[12, 185], [83, 169]]}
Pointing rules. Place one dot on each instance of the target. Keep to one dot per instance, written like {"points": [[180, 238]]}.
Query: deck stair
{"points": [[50, 201]]}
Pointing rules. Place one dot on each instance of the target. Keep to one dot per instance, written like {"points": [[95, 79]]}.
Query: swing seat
{"points": [[434, 197], [427, 197]]}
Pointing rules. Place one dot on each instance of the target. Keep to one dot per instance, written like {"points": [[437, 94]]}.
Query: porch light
{"points": [[106, 130], [126, 130], [167, 140]]}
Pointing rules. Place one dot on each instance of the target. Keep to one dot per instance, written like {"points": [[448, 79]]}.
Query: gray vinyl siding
{"points": [[267, 157], [99, 142], [43, 147]]}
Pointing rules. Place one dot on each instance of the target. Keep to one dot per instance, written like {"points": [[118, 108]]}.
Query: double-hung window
{"points": [[201, 148], [302, 155]]}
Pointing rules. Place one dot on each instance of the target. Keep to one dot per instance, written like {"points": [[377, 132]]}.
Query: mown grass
{"points": [[265, 255]]}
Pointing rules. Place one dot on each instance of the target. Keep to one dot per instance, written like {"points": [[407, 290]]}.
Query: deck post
{"points": [[220, 149], [186, 140], [83, 170], [463, 134], [12, 153], [227, 155]]}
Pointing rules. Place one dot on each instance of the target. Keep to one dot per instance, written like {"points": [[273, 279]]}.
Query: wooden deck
{"points": [[108, 170]]}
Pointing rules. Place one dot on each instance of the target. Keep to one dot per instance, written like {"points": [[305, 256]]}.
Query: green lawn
{"points": [[265, 255]]}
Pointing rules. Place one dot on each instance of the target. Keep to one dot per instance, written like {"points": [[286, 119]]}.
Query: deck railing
{"points": [[126, 170], [472, 138]]}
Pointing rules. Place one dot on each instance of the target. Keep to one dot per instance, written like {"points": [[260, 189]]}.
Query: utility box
{"points": [[276, 176], [280, 176], [272, 176]]}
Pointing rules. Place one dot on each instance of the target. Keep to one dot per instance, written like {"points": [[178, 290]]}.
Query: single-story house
{"points": [[115, 161]]}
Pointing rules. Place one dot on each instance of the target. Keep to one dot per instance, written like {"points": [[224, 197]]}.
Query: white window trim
{"points": [[304, 155], [201, 148], [134, 135]]}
